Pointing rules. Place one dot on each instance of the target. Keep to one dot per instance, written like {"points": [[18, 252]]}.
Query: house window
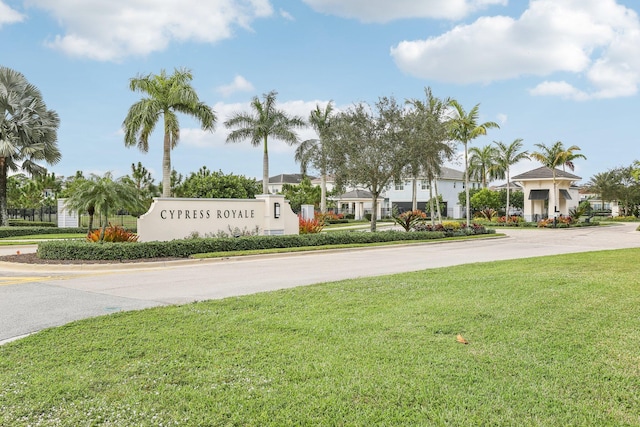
{"points": [[425, 184], [399, 186]]}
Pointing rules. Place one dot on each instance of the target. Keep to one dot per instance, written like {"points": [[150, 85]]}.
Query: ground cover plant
{"points": [[546, 346]]}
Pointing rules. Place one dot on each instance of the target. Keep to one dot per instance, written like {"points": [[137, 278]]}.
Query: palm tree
{"points": [[605, 184], [427, 146], [465, 128], [101, 194], [265, 121], [554, 156], [166, 96], [313, 151], [508, 155], [482, 164], [28, 131]]}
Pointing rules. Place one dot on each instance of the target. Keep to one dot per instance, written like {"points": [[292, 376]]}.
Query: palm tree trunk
{"points": [[414, 194], [466, 183], [435, 187], [265, 168], [508, 201], [4, 220], [166, 165]]}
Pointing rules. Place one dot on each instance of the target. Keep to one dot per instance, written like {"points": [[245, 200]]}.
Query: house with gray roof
{"points": [[449, 182], [276, 182]]}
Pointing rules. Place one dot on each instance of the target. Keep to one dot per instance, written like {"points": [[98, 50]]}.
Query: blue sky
{"points": [[545, 70]]}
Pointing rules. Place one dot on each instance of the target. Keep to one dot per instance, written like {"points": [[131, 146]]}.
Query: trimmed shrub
{"points": [[27, 223], [82, 250], [29, 231]]}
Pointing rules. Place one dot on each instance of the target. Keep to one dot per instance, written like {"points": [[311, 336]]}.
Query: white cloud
{"points": [[559, 88], [199, 138], [502, 118], [286, 15], [8, 15], [595, 39], [385, 10], [239, 84], [112, 30]]}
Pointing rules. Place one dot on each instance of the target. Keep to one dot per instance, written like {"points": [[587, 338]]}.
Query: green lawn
{"points": [[553, 342]]}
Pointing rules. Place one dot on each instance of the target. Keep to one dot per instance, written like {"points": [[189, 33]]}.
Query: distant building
{"points": [[276, 182], [450, 183], [540, 199]]}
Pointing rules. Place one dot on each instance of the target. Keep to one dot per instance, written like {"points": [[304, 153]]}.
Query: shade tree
{"points": [[367, 148]]}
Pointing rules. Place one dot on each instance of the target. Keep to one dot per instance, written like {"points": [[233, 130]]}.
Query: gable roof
{"points": [[544, 172]]}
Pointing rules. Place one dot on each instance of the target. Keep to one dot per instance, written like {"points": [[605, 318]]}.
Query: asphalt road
{"points": [[33, 298]]}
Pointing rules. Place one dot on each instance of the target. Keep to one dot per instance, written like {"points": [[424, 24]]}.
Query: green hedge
{"points": [[29, 231], [80, 250], [27, 223]]}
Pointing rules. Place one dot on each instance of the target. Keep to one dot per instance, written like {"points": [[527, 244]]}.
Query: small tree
{"points": [[302, 194], [104, 194], [217, 185], [368, 148], [485, 199]]}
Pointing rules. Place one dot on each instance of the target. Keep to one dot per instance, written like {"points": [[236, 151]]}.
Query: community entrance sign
{"points": [[176, 218]]}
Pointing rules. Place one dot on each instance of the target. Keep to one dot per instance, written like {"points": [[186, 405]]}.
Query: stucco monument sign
{"points": [[176, 218]]}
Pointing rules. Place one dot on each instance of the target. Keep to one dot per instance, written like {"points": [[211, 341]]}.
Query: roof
{"points": [[452, 174], [512, 186], [544, 172], [356, 194], [288, 178]]}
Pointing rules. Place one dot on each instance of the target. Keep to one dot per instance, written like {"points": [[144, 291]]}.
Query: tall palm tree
{"points": [[313, 151], [427, 144], [508, 155], [166, 96], [28, 131], [102, 194], [263, 122], [465, 128], [482, 163], [554, 156]]}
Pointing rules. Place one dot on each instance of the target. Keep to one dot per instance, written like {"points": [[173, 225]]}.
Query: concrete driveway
{"points": [[36, 297]]}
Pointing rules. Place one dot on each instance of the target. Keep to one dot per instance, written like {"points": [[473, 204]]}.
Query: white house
{"points": [[544, 200], [450, 183], [597, 204]]}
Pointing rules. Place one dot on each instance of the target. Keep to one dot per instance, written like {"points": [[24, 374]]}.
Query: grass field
{"points": [[552, 341]]}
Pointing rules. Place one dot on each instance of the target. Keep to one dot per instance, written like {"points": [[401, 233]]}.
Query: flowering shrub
{"points": [[454, 228], [512, 218], [561, 221], [409, 219], [329, 217], [113, 233], [309, 226]]}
